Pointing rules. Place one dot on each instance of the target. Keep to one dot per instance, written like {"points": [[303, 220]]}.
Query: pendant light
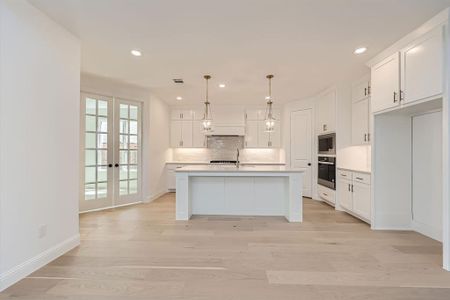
{"points": [[207, 117], [269, 120]]}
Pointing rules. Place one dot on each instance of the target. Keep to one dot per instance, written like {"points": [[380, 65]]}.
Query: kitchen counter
{"points": [[207, 163], [243, 191], [355, 170], [237, 170]]}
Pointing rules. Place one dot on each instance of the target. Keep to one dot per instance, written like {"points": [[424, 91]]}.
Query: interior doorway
{"points": [[301, 146], [111, 156]]}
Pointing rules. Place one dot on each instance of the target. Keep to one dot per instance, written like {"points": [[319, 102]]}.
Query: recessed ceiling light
{"points": [[360, 50], [136, 52], [222, 85], [179, 98]]}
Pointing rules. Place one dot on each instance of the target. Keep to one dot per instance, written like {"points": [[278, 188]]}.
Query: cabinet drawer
{"points": [[361, 177], [344, 174], [326, 194]]}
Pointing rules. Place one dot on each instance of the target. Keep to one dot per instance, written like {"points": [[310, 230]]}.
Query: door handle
{"points": [[116, 165]]}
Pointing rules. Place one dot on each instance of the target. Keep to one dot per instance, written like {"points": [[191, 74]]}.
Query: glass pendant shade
{"points": [[269, 120], [207, 117], [207, 120]]}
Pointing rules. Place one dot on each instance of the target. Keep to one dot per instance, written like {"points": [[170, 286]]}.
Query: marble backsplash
{"points": [[226, 153]]}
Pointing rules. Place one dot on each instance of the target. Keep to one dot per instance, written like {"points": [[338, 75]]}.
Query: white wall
{"points": [[155, 133], [39, 133], [158, 148]]}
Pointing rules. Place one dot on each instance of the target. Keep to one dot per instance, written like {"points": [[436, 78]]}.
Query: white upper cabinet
{"points": [[251, 134], [176, 134], [182, 114], [180, 134], [422, 67], [198, 135], [414, 73], [326, 113], [386, 83], [258, 114], [360, 122], [361, 89]]}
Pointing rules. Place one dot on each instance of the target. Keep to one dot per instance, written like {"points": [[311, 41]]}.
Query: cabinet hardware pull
{"points": [[359, 178], [365, 91], [325, 194], [402, 95], [368, 137], [324, 126], [349, 187], [368, 89], [343, 175], [352, 188], [395, 97], [365, 137]]}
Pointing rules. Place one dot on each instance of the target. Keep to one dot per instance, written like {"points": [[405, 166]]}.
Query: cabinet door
{"points": [[263, 136], [254, 114], [251, 134], [198, 136], [360, 89], [326, 113], [422, 67], [175, 134], [345, 194], [361, 200], [186, 134], [360, 122], [386, 84], [275, 137]]}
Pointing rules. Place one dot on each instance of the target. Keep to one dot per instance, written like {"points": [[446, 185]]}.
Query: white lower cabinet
{"points": [[326, 194], [353, 191]]}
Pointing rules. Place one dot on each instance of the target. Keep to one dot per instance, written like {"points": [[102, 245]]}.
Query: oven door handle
{"points": [[325, 163]]}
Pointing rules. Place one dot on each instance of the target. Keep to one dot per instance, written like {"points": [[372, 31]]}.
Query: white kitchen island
{"points": [[243, 191]]}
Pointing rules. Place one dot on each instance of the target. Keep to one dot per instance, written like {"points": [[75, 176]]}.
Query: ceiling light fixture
{"points": [[136, 52], [222, 85], [269, 120], [207, 117], [179, 98], [360, 50]]}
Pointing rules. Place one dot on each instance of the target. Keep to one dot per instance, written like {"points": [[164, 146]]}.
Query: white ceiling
{"points": [[307, 44]]}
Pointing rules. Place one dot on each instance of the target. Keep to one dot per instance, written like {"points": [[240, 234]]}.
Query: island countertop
{"points": [[234, 169]]}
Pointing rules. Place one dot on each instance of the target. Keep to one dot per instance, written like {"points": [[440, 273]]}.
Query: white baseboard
{"points": [[427, 230], [155, 196], [19, 272]]}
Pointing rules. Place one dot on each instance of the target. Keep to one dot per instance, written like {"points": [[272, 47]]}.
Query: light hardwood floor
{"points": [[141, 252]]}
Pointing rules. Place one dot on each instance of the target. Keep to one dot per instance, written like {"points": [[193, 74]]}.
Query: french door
{"points": [[111, 140]]}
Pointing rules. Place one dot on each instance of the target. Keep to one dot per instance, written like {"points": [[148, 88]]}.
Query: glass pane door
{"points": [[97, 134], [128, 152]]}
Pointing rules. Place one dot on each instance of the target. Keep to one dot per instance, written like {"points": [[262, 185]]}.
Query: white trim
{"points": [[22, 270], [155, 196], [109, 207], [427, 230]]}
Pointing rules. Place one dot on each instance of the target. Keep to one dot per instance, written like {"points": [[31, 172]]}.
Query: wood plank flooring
{"points": [[141, 252]]}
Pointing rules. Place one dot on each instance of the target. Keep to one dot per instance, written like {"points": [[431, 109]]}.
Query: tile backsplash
{"points": [[225, 153]]}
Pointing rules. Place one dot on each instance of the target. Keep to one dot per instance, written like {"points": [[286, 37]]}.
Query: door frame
{"points": [[112, 203]]}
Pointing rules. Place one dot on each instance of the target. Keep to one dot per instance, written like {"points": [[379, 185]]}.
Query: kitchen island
{"points": [[239, 191]]}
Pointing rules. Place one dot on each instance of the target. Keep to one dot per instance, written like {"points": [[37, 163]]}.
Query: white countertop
{"points": [[234, 169], [207, 163], [355, 170]]}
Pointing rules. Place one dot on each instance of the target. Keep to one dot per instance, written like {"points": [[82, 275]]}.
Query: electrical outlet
{"points": [[42, 231]]}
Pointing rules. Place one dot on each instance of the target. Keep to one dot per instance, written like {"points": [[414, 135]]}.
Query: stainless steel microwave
{"points": [[327, 144]]}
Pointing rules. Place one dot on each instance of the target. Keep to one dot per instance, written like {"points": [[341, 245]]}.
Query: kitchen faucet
{"points": [[237, 158]]}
